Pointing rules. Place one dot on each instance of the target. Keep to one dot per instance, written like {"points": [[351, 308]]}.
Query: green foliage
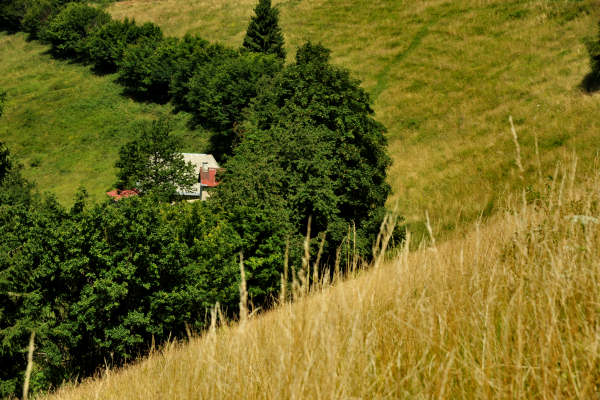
{"points": [[107, 44], [275, 180], [194, 54], [317, 94], [38, 13], [99, 286], [222, 89], [311, 149], [152, 162], [11, 14], [5, 164], [264, 34], [2, 100], [68, 31], [593, 47], [154, 69], [147, 67]]}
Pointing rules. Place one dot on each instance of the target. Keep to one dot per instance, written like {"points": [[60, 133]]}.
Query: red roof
{"points": [[119, 194], [209, 177]]}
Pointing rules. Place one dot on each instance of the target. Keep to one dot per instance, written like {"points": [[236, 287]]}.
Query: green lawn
{"points": [[65, 124]]}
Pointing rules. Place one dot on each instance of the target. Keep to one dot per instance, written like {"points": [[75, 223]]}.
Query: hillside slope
{"points": [[445, 76], [65, 124], [510, 311]]}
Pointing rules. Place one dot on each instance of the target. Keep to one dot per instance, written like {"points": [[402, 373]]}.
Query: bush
{"points": [[11, 14], [107, 45], [39, 13], [69, 30], [220, 90], [37, 16]]}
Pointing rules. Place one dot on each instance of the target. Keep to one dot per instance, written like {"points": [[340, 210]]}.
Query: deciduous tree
{"points": [[152, 162]]}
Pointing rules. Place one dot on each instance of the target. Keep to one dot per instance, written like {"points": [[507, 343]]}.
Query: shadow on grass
{"points": [[590, 83], [149, 97]]}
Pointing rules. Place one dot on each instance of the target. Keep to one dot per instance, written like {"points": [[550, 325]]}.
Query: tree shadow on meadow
{"points": [[590, 83]]}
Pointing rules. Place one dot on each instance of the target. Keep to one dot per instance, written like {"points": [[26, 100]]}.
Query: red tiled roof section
{"points": [[208, 177], [119, 194]]}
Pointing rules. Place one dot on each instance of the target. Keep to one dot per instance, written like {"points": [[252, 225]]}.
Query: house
{"points": [[206, 168]]}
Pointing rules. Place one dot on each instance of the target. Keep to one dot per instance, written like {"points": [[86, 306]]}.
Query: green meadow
{"points": [[444, 77], [65, 124]]}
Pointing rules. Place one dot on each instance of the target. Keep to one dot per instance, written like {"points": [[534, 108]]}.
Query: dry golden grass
{"points": [[511, 310]]}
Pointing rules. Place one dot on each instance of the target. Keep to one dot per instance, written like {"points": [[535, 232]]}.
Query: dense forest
{"points": [[100, 283]]}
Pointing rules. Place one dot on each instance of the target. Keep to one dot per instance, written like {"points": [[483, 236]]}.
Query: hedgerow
{"points": [[68, 32]]}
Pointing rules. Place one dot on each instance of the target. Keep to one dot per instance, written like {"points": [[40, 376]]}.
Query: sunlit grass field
{"points": [[65, 124], [444, 77]]}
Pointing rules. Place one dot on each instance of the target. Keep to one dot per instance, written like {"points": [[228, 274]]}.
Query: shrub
{"points": [[37, 16], [11, 14], [39, 13], [69, 30], [107, 44]]}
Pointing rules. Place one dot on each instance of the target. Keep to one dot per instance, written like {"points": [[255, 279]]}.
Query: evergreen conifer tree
{"points": [[264, 34]]}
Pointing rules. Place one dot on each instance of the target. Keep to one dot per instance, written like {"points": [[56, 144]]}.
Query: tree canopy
{"points": [[310, 148], [69, 30], [314, 93], [153, 162]]}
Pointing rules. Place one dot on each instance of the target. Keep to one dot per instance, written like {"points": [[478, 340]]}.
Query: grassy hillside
{"points": [[445, 76], [66, 124], [507, 310], [510, 311]]}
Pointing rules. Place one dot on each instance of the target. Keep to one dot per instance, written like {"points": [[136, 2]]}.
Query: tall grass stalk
{"points": [[29, 365]]}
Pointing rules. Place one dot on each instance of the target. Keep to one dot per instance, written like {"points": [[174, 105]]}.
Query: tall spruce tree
{"points": [[264, 34]]}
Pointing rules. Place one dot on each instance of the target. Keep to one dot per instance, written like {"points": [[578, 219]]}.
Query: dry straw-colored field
{"points": [[511, 310]]}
